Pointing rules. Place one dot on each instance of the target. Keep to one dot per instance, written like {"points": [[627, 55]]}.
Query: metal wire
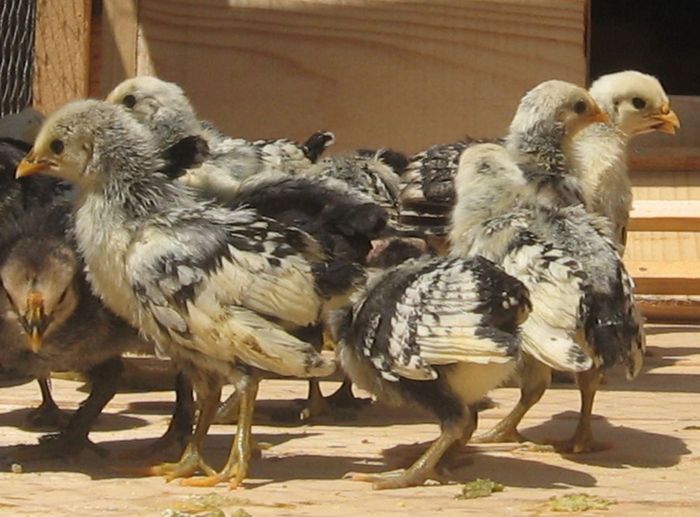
{"points": [[17, 23]]}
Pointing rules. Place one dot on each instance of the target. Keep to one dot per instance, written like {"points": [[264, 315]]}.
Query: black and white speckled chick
{"points": [[584, 317], [53, 322], [165, 109], [219, 290], [439, 333]]}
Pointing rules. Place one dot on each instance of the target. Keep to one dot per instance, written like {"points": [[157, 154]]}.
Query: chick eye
{"points": [[129, 101], [580, 107], [638, 103], [56, 146]]}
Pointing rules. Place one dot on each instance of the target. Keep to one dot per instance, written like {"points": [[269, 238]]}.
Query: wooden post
{"points": [[119, 41], [62, 53]]}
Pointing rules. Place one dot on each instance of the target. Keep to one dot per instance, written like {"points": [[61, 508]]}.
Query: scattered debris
{"points": [[16, 468], [479, 488], [692, 428], [240, 513], [577, 503]]}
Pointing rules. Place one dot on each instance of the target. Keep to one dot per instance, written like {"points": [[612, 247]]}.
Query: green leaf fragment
{"points": [[480, 488]]}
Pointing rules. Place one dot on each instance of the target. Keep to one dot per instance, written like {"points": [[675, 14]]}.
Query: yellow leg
{"points": [[425, 466], [191, 460], [236, 468], [582, 440], [535, 378]]}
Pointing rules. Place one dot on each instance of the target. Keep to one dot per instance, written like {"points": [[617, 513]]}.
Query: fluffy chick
{"points": [[16, 198], [636, 103], [439, 333], [520, 215], [165, 109], [54, 322], [219, 290]]}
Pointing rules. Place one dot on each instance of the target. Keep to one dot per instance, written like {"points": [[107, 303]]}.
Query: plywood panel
{"points": [[62, 53], [118, 43], [399, 73]]}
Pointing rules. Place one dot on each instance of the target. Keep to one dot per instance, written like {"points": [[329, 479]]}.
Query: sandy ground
{"points": [[653, 465]]}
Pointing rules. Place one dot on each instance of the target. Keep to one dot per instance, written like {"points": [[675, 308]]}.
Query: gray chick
{"points": [[53, 322], [523, 217], [165, 109], [221, 291]]}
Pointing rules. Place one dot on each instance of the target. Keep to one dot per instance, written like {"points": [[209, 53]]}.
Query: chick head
{"points": [[556, 107], [85, 141], [635, 102], [161, 106], [488, 178], [39, 277]]}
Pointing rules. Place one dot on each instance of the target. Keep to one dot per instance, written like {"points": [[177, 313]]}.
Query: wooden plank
{"points": [[62, 53], [402, 74], [680, 277], [666, 159], [665, 216], [118, 49], [670, 309]]}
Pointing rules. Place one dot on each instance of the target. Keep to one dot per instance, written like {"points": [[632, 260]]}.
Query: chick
{"points": [[219, 290], [54, 322], [636, 103], [165, 109], [439, 333], [344, 221], [516, 205], [16, 197]]}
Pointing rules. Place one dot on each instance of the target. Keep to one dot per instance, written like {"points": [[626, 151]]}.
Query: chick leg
{"points": [[74, 438], [236, 468], [582, 440], [535, 378], [316, 403], [344, 397], [48, 414], [229, 409], [191, 460], [453, 432], [180, 428]]}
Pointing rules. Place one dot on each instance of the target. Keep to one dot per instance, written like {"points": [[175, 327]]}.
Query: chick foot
{"points": [[47, 417], [399, 478], [190, 463], [497, 435], [55, 446]]}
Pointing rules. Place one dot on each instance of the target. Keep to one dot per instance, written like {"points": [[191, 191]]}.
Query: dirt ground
{"points": [[652, 426]]}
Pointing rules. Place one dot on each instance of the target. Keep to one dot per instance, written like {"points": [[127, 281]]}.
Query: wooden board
{"points": [[665, 215], [62, 53], [396, 73], [118, 43]]}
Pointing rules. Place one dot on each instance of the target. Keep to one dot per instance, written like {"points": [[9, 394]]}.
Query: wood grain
{"points": [[118, 43], [678, 216], [670, 309], [398, 73], [62, 53], [677, 277]]}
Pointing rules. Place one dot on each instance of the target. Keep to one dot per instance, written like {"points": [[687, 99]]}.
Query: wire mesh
{"points": [[17, 23]]}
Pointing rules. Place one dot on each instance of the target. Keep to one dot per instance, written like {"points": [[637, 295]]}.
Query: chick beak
{"points": [[32, 165], [668, 120], [598, 116], [35, 320]]}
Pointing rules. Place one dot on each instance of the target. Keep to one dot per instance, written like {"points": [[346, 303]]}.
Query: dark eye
{"points": [[580, 107], [129, 101], [639, 103], [56, 146]]}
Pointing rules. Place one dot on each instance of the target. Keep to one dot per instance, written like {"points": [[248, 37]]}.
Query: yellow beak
{"points": [[669, 120], [30, 165], [599, 116], [35, 320]]}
